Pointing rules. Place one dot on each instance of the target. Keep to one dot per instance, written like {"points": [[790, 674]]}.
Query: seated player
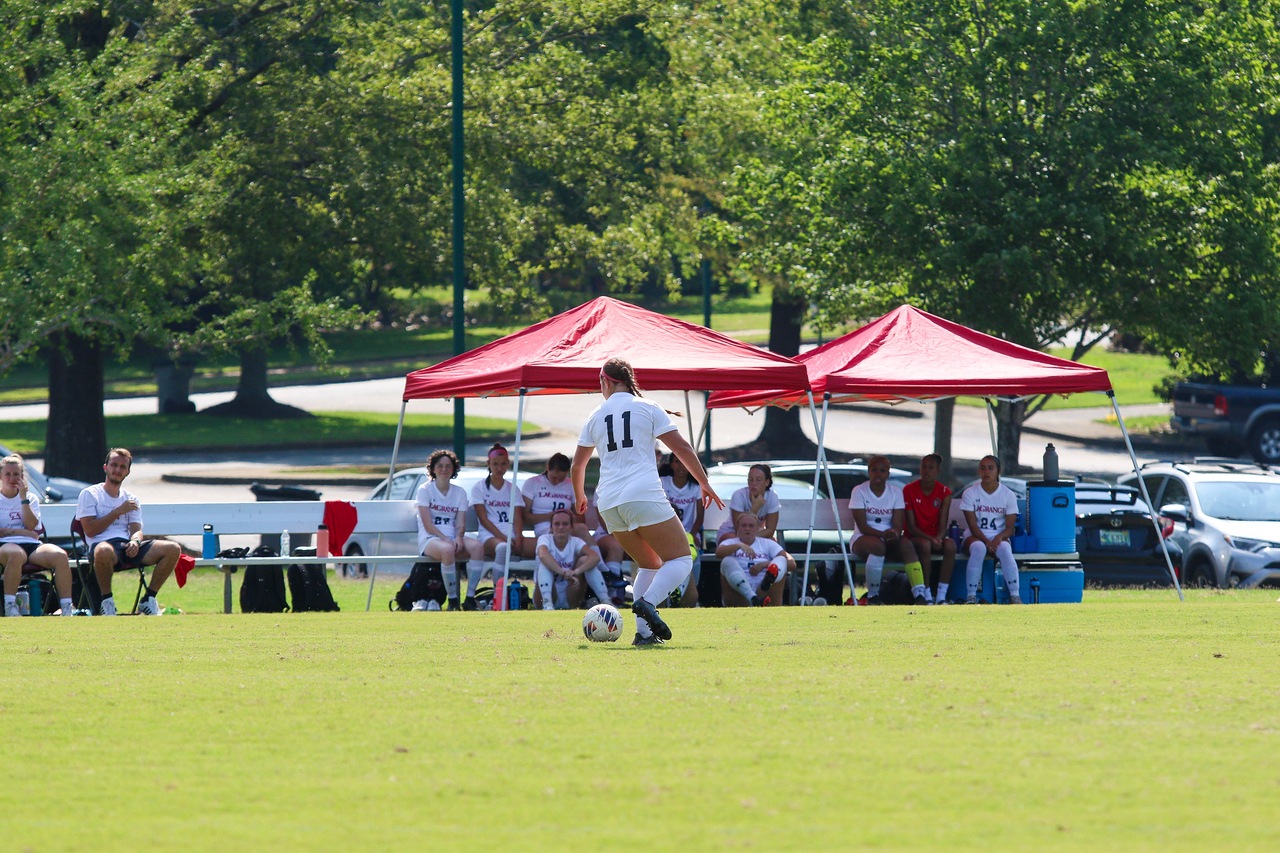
{"points": [[928, 505], [991, 511], [878, 511], [442, 522], [752, 568], [19, 537], [564, 557]]}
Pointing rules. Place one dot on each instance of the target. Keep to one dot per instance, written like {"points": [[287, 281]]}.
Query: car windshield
{"points": [[1235, 500]]}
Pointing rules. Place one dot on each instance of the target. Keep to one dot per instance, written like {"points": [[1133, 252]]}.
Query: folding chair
{"points": [[84, 568], [30, 570]]}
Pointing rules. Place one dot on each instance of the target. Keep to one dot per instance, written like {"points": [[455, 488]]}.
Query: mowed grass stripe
{"points": [[1131, 721]]}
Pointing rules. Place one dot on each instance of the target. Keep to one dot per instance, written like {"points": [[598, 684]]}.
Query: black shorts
{"points": [[124, 561], [29, 547]]}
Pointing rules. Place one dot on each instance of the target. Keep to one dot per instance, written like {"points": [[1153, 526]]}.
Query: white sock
{"points": [[473, 577], [614, 568], [595, 580], [875, 571], [10, 599], [920, 589], [733, 572], [667, 578], [942, 591], [66, 605], [973, 568], [499, 560], [639, 586], [545, 582], [1008, 566], [450, 579]]}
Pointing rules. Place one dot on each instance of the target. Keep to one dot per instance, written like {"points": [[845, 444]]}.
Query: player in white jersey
{"points": [[624, 430], [757, 497], [564, 563], [19, 538], [686, 498], [878, 510], [491, 498], [991, 511], [442, 522], [751, 567]]}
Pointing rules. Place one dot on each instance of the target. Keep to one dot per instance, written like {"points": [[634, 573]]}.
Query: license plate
{"points": [[1114, 538]]}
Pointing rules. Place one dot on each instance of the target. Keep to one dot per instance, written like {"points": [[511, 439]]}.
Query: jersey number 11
{"points": [[626, 430]]}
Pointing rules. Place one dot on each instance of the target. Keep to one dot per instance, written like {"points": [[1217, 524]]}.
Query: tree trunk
{"points": [[782, 433], [75, 441], [1009, 434], [943, 415], [252, 399]]}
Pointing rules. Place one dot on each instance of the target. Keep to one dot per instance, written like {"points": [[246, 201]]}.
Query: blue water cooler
{"points": [[1051, 515]]}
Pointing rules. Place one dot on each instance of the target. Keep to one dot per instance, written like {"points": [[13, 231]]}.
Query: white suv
{"points": [[1225, 515]]}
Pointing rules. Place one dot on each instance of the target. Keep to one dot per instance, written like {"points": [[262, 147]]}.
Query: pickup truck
{"points": [[1230, 418]]}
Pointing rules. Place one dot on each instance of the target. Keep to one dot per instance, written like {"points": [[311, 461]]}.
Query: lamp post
{"points": [[459, 219]]}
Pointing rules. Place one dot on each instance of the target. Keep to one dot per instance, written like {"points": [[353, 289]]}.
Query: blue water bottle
{"points": [[513, 595], [1035, 590], [210, 547]]}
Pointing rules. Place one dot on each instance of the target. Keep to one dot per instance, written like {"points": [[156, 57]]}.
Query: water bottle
{"points": [[1050, 464], [210, 547], [285, 550], [1035, 590], [954, 532], [513, 595], [498, 597], [24, 603], [322, 541]]}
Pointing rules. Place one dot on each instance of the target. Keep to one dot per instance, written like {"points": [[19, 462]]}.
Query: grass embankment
{"points": [[142, 432], [1130, 722]]}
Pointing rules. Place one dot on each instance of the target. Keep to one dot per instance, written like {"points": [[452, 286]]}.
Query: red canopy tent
{"points": [[909, 354]]}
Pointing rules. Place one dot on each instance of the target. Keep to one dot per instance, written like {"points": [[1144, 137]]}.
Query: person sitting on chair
{"points": [[878, 510], [751, 566], [19, 542], [112, 522]]}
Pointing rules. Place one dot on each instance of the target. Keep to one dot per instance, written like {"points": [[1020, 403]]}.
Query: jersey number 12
{"points": [[626, 430]]}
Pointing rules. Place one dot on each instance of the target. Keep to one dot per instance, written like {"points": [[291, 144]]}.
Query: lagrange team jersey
{"points": [[546, 497], [766, 550], [11, 513], [992, 509], [624, 430], [927, 508], [741, 502], [443, 509], [497, 506], [566, 558], [879, 508], [685, 499]]}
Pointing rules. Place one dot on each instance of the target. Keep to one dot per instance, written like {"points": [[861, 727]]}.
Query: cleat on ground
{"points": [[649, 613]]}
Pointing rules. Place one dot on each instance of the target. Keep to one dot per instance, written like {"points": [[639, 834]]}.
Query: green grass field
{"points": [[1131, 722]]}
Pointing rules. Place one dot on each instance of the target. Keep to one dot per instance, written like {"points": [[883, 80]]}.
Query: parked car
{"points": [[845, 476], [1231, 418], [51, 490], [1225, 516], [1117, 541]]}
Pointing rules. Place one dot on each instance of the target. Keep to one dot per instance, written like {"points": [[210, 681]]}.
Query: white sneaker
{"points": [[419, 606], [1013, 599], [432, 604], [108, 607], [149, 607], [67, 611], [973, 599], [942, 601], [11, 609]]}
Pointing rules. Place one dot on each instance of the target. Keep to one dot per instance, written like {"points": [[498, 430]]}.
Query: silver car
{"points": [[1225, 516]]}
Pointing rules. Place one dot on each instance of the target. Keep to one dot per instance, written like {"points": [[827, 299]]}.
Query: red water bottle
{"points": [[322, 541]]}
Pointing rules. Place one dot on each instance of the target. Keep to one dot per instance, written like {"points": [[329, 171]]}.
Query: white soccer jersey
{"points": [[991, 509], [567, 558], [497, 506], [443, 509], [94, 502], [741, 501], [766, 550], [685, 499], [11, 513], [879, 508], [546, 497], [624, 431]]}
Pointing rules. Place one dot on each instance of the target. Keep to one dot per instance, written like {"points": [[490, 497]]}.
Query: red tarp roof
{"points": [[563, 355], [909, 354]]}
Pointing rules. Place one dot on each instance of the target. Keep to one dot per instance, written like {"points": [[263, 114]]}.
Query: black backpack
{"points": [[262, 590], [309, 588], [425, 582]]}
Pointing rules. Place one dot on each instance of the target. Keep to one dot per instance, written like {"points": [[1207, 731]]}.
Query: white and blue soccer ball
{"points": [[602, 624]]}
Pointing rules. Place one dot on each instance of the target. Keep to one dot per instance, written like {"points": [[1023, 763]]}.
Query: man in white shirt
{"points": [[112, 521]]}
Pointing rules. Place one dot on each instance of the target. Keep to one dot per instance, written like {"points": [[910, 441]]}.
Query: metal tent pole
{"points": [[386, 496], [515, 495], [991, 423]]}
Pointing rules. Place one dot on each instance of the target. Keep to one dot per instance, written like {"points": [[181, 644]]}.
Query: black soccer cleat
{"points": [[769, 579], [920, 601], [757, 600], [649, 613], [453, 605], [651, 640], [874, 600], [469, 603]]}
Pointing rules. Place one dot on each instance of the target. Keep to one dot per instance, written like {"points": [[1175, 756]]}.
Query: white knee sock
{"points": [[450, 579], [1008, 566], [613, 568], [499, 559], [667, 578], [474, 570], [643, 580], [595, 580], [973, 569], [545, 582], [875, 571], [736, 575], [942, 591]]}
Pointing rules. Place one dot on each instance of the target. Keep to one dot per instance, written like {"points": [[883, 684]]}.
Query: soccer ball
{"points": [[602, 624]]}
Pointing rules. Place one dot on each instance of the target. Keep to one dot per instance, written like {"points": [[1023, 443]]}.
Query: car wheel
{"points": [[1264, 441], [1202, 575], [1223, 445], [355, 570]]}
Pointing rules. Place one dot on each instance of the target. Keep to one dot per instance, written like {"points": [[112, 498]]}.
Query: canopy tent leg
{"points": [[689, 422], [991, 424], [702, 430], [1151, 510], [831, 492], [515, 495], [386, 496]]}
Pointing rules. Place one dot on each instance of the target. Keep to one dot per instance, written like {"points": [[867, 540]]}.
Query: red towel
{"points": [[185, 564], [340, 518]]}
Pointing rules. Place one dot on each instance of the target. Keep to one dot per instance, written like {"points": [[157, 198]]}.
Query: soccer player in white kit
{"points": [[564, 560], [629, 496], [991, 510]]}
